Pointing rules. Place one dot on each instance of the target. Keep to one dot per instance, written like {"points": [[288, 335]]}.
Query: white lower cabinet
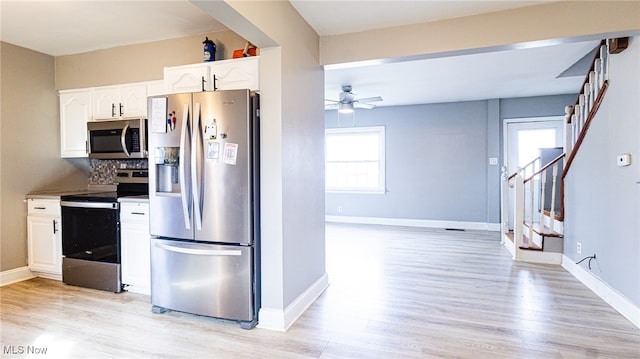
{"points": [[135, 247], [44, 237]]}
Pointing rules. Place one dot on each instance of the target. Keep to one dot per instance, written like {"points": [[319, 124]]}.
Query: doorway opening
{"points": [[523, 139]]}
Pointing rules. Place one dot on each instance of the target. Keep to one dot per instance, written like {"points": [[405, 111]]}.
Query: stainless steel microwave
{"points": [[117, 139]]}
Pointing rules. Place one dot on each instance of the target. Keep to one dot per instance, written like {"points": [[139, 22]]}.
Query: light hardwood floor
{"points": [[394, 293]]}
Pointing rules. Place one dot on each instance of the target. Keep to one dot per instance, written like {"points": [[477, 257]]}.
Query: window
{"points": [[355, 159]]}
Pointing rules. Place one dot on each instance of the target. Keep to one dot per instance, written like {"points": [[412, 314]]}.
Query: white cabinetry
{"points": [[128, 100], [44, 237], [75, 111], [155, 88], [216, 75], [187, 78], [237, 74], [135, 250]]}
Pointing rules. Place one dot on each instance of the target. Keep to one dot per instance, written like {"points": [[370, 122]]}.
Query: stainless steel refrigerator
{"points": [[204, 201]]}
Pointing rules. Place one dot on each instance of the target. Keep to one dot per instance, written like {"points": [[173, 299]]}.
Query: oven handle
{"points": [[89, 204], [123, 140], [203, 252]]}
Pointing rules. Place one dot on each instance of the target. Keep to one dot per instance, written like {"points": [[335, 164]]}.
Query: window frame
{"points": [[380, 130]]}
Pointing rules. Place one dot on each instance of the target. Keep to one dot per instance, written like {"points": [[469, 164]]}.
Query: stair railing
{"points": [[554, 166], [508, 181], [529, 200], [579, 116]]}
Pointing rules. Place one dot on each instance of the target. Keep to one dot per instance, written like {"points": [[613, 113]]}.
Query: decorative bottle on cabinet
{"points": [[209, 50]]}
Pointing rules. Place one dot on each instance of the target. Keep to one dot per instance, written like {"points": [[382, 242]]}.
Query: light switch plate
{"points": [[624, 160]]}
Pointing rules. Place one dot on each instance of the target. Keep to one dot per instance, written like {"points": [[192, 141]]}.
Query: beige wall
{"points": [[523, 26], [30, 145], [143, 62]]}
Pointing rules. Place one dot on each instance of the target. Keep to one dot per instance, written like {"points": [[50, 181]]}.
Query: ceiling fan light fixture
{"points": [[345, 108]]}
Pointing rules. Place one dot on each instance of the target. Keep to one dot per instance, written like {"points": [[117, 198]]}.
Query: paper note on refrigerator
{"points": [[159, 115], [230, 153], [213, 150]]}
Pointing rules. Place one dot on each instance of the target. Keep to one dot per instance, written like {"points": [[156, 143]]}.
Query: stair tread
{"points": [[545, 231], [510, 236], [529, 245]]}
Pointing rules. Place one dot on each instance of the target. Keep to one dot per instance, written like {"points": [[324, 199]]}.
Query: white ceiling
{"points": [[63, 27], [330, 17], [67, 27]]}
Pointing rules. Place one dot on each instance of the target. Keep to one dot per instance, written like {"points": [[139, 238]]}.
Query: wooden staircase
{"points": [[538, 215], [538, 236]]}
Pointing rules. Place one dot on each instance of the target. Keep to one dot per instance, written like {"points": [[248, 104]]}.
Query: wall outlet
{"points": [[623, 160], [579, 248], [339, 209]]}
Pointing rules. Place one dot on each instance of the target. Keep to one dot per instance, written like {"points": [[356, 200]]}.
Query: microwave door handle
{"points": [[186, 197], [123, 140], [195, 166]]}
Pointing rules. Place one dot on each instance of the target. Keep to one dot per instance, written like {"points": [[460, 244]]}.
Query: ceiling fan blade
{"points": [[327, 100], [367, 106], [370, 99], [330, 106]]}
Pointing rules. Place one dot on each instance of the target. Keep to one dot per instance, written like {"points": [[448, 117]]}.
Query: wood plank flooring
{"points": [[395, 292]]}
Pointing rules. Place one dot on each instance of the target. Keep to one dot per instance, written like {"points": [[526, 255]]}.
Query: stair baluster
{"points": [[552, 212], [543, 185]]}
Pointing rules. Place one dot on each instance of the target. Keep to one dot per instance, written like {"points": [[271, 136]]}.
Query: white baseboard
{"points": [[282, 320], [540, 257], [15, 275], [604, 291], [480, 226]]}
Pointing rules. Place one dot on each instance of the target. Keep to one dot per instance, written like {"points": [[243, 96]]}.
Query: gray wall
{"points": [[437, 158], [435, 163], [602, 201]]}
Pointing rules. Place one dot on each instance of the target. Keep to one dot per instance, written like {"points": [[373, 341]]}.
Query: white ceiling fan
{"points": [[348, 101]]}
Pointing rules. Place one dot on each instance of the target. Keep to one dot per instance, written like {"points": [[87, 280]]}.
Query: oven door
{"points": [[91, 231]]}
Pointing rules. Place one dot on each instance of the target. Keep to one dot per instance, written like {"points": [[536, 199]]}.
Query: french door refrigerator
{"points": [[203, 198]]}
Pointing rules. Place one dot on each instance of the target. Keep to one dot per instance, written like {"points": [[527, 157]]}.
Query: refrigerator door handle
{"points": [[186, 198], [202, 252], [195, 177]]}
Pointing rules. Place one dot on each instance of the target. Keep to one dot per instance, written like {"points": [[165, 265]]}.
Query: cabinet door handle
{"points": [[113, 110], [39, 207], [203, 81], [121, 107], [215, 83], [139, 213], [55, 229]]}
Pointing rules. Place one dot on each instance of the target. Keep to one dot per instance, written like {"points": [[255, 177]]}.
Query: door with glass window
{"points": [[523, 140]]}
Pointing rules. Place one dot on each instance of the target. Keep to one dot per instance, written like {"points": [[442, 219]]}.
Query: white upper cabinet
{"points": [[155, 88], [75, 111], [187, 78], [216, 75], [237, 74], [128, 100]]}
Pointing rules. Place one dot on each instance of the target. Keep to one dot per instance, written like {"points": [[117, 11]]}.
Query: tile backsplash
{"points": [[103, 172]]}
